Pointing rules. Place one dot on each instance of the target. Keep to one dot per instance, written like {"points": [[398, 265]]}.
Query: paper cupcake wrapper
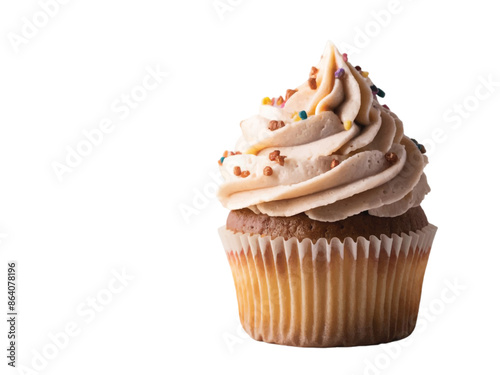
{"points": [[328, 293]]}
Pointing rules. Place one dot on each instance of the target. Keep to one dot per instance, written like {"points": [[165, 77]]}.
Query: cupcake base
{"points": [[330, 292]]}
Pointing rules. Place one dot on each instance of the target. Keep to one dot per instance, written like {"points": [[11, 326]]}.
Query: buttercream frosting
{"points": [[342, 152]]}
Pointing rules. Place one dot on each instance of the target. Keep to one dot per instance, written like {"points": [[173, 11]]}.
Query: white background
{"points": [[119, 209]]}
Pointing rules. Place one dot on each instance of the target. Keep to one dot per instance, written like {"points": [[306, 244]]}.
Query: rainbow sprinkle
{"points": [[275, 102], [420, 146], [381, 93], [303, 115], [344, 57], [340, 73], [347, 125], [365, 74], [378, 91]]}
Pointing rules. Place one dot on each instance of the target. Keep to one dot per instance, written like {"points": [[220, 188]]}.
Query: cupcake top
{"points": [[328, 149]]}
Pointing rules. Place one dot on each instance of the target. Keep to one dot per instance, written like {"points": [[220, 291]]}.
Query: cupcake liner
{"points": [[328, 293]]}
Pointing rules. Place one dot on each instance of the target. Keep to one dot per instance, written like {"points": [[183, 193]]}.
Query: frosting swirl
{"points": [[343, 155]]}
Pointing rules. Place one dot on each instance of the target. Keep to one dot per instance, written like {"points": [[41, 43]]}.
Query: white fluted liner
{"points": [[328, 293]]}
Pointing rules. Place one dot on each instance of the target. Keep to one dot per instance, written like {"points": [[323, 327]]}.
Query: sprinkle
{"points": [[381, 93], [335, 162], [289, 93], [280, 101], [268, 171], [303, 115], [230, 153], [374, 88], [314, 71], [245, 174], [386, 107], [365, 74], [391, 157], [296, 117], [221, 160], [281, 160], [275, 125], [220, 163], [420, 146], [273, 100], [273, 155], [347, 125], [358, 68], [237, 171], [344, 57], [312, 83], [266, 101], [340, 73]]}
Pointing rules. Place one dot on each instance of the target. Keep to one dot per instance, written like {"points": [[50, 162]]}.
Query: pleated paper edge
{"points": [[421, 239]]}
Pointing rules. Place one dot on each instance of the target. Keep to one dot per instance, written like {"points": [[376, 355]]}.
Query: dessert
{"points": [[326, 238]]}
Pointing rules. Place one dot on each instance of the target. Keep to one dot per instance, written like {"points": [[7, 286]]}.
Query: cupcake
{"points": [[326, 238]]}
